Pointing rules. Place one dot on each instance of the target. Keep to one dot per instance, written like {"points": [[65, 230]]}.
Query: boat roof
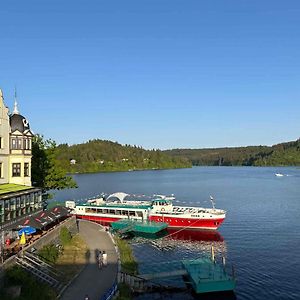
{"points": [[117, 205], [119, 195]]}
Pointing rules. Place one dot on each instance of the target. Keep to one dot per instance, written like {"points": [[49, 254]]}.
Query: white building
{"points": [[17, 196]]}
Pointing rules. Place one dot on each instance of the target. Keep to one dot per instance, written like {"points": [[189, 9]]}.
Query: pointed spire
{"points": [[1, 94], [16, 110]]}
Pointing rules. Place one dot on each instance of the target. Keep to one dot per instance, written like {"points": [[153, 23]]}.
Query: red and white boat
{"points": [[159, 209]]}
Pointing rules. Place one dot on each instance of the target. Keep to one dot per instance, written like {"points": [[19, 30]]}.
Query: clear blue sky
{"points": [[156, 73]]}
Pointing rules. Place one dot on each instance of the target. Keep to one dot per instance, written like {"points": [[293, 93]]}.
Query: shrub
{"points": [[31, 288], [49, 253], [65, 236]]}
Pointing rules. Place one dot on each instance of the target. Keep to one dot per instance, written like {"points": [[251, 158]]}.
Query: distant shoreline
{"points": [[129, 170]]}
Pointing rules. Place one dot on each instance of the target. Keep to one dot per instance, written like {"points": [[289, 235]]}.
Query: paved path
{"points": [[93, 281]]}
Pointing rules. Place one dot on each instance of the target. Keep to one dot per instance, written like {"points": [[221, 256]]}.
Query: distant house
{"points": [[124, 159], [73, 162], [101, 162]]}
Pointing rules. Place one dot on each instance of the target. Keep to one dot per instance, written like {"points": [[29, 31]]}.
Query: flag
{"points": [[23, 239]]}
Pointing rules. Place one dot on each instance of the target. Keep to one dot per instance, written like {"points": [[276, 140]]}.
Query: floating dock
{"points": [[207, 276], [138, 227], [203, 274]]}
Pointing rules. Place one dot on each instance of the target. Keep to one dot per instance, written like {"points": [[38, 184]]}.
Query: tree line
{"points": [[284, 154], [107, 156]]}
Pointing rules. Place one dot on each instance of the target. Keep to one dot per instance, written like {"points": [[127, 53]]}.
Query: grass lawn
{"points": [[11, 187], [73, 258], [128, 263]]}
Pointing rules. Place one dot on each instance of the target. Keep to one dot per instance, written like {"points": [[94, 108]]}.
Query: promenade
{"points": [[93, 281]]}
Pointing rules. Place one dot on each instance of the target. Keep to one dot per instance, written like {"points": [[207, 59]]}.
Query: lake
{"points": [[260, 236]]}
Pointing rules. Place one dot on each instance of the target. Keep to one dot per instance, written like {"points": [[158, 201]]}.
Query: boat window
{"points": [[139, 214], [112, 211], [99, 210], [131, 213]]}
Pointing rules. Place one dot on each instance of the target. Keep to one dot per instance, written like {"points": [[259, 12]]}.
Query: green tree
{"points": [[45, 170]]}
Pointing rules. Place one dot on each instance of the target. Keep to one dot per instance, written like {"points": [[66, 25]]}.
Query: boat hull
{"points": [[98, 219], [188, 223], [173, 222]]}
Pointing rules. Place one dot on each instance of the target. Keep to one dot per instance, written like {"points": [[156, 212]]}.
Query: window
{"points": [[0, 169], [0, 142], [26, 169], [16, 169], [16, 143], [27, 144], [13, 143]]}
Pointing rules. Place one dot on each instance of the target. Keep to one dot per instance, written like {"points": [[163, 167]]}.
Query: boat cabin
{"points": [[162, 206]]}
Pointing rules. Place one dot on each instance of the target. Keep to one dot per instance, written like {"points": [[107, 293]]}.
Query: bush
{"points": [[31, 288], [49, 253], [65, 236]]}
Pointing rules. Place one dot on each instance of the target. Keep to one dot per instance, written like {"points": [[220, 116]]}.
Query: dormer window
{"points": [[16, 143], [27, 144]]}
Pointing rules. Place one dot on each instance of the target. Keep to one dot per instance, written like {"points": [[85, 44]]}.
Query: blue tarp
{"points": [[27, 230]]}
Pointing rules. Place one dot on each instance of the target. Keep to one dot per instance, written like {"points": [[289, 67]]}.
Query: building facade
{"points": [[17, 196]]}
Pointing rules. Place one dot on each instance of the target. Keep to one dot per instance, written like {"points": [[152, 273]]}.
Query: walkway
{"points": [[92, 280]]}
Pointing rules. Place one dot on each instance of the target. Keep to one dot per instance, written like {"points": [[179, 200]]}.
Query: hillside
{"points": [[284, 154], [106, 156]]}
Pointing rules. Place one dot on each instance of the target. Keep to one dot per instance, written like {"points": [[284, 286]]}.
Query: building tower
{"points": [[17, 197], [20, 148]]}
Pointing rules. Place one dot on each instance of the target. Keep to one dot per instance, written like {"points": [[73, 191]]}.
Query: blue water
{"points": [[260, 236]]}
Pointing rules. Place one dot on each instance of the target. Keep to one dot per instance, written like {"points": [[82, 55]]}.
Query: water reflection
{"points": [[195, 235]]}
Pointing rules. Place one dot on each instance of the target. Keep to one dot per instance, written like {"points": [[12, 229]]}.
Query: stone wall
{"points": [[52, 236]]}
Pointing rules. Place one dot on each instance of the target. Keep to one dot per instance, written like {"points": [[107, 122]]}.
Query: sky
{"points": [[154, 73]]}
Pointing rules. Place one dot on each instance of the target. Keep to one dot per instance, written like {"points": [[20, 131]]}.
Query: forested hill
{"points": [[284, 154], [104, 156]]}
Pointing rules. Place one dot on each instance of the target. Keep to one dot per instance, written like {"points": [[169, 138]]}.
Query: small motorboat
{"points": [[279, 175]]}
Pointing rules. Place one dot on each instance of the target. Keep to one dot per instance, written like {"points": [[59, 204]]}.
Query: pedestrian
{"points": [[100, 260], [104, 257]]}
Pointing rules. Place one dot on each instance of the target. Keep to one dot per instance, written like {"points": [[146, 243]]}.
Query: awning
{"points": [[59, 211], [28, 221], [45, 217]]}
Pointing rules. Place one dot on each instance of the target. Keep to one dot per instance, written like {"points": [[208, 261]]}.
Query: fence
{"points": [[109, 294]]}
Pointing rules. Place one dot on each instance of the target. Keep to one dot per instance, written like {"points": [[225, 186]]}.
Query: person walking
{"points": [[104, 256], [100, 260]]}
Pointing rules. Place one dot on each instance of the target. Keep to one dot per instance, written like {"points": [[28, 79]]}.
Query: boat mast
{"points": [[212, 201]]}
